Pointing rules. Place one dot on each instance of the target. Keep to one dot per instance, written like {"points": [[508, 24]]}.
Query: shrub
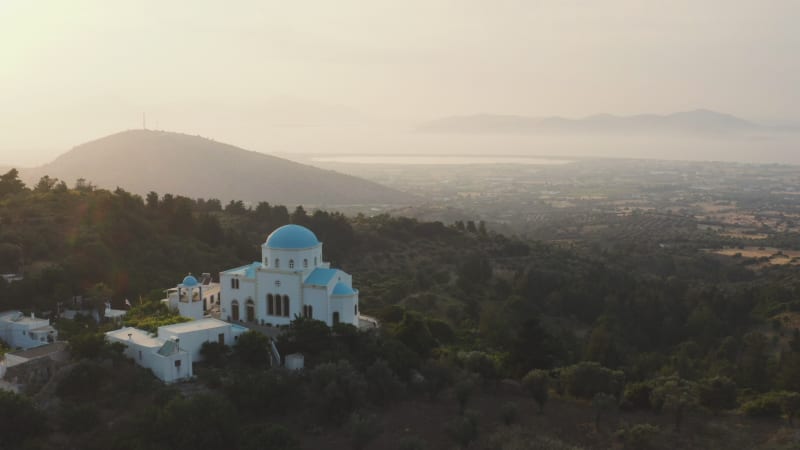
{"points": [[509, 413], [639, 436], [267, 437], [536, 383], [383, 385], [364, 428], [586, 379], [765, 405], [214, 353], [637, 395], [412, 443], [717, 394], [463, 429], [601, 403], [464, 390]]}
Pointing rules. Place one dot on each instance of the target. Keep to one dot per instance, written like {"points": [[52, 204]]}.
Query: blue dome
{"points": [[190, 281], [343, 289], [292, 237]]}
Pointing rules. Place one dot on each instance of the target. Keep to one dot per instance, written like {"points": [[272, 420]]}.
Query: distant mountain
{"points": [[699, 121], [143, 160]]}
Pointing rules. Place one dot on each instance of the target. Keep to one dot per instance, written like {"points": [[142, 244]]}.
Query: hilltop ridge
{"points": [[147, 160]]}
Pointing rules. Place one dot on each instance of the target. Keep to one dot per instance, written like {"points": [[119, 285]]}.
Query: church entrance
{"points": [[235, 310], [251, 311]]}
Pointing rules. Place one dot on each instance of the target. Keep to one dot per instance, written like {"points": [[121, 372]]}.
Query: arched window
{"points": [[286, 306], [277, 263], [291, 264], [250, 310], [305, 263], [235, 310], [270, 305]]}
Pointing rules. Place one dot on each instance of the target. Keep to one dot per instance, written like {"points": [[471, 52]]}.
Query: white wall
{"points": [[191, 341]]}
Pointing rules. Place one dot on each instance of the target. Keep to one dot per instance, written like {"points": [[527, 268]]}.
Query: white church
{"points": [[291, 280]]}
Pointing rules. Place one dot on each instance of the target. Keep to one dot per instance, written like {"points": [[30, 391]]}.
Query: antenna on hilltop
{"points": [[144, 121]]}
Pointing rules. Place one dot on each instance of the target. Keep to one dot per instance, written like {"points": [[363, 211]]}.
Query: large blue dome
{"points": [[292, 237]]}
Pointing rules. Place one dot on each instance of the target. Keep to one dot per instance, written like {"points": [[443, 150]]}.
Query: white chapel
{"points": [[290, 280]]}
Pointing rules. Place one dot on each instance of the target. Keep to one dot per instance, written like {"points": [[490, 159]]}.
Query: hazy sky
{"points": [[73, 70]]}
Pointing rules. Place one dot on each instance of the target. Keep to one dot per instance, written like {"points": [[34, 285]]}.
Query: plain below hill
{"points": [[141, 161]]}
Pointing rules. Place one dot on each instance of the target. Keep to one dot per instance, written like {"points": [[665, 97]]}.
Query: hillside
{"points": [[688, 122], [141, 161]]}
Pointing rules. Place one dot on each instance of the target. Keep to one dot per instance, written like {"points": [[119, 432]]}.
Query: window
{"points": [[355, 309], [336, 318], [286, 306], [234, 283], [305, 263], [315, 261], [291, 264], [308, 311], [277, 263], [277, 283], [270, 305], [278, 309]]}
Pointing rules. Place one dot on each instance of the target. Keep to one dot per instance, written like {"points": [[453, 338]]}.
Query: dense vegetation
{"points": [[628, 324]]}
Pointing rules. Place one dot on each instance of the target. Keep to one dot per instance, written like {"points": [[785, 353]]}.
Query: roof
{"points": [[247, 271], [190, 281], [42, 350], [170, 347], [343, 289], [136, 336], [292, 237], [320, 276], [193, 325]]}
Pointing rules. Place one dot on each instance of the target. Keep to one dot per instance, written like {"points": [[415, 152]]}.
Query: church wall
{"points": [[318, 299], [268, 256], [290, 284], [191, 341], [345, 305]]}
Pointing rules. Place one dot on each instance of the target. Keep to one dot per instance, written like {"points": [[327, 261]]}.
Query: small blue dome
{"points": [[292, 237], [190, 281], [343, 289]]}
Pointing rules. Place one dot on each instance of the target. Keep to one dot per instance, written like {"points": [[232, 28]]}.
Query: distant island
{"points": [[145, 160], [700, 121]]}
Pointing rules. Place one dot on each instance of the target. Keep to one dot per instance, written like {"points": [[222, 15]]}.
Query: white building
{"points": [[193, 298], [21, 331], [290, 280], [170, 354]]}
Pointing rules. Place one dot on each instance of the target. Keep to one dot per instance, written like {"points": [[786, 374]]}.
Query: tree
{"points": [[335, 390], [152, 200], [509, 413], [676, 395], [10, 183], [213, 418], [214, 353], [536, 383], [45, 184], [253, 348], [19, 419]]}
